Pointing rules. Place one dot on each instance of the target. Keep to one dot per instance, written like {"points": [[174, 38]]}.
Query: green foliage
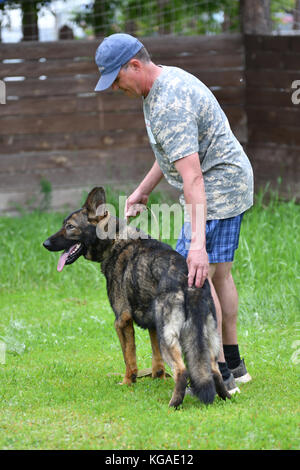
{"points": [[144, 17], [46, 191], [150, 17], [278, 6], [99, 15]]}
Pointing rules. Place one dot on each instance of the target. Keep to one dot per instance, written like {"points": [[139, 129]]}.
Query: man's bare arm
{"points": [[195, 198]]}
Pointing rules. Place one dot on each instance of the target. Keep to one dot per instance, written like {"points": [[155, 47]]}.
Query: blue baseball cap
{"points": [[114, 52]]}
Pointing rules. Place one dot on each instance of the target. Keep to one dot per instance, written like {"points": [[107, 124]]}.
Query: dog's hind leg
{"points": [[173, 356], [169, 314], [125, 330], [214, 345], [219, 384], [158, 367]]}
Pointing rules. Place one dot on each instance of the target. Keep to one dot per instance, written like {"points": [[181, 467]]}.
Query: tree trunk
{"points": [[103, 11], [297, 15], [255, 16], [29, 21], [163, 17], [226, 23]]}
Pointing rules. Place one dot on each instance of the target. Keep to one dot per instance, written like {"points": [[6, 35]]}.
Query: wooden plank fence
{"points": [[55, 127], [273, 120]]}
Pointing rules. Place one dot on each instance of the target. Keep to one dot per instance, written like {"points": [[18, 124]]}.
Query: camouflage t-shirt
{"points": [[183, 117]]}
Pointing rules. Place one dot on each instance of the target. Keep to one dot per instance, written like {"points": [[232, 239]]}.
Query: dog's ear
{"points": [[95, 199]]}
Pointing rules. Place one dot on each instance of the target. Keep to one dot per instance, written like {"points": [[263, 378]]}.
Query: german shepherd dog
{"points": [[147, 284]]}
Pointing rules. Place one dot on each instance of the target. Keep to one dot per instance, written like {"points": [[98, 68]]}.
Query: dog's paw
{"points": [[175, 402], [158, 374], [129, 380]]}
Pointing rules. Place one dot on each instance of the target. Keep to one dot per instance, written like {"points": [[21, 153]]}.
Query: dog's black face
{"points": [[75, 236], [78, 236]]}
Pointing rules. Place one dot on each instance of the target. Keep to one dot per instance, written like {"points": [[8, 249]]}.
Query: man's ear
{"points": [[135, 64], [95, 199]]}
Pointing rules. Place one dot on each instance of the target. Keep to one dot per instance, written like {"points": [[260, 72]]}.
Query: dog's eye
{"points": [[70, 227]]}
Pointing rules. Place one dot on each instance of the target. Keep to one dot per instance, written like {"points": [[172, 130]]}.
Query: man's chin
{"points": [[131, 94]]}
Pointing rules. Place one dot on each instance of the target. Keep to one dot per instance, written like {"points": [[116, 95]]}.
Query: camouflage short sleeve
{"points": [[182, 117]]}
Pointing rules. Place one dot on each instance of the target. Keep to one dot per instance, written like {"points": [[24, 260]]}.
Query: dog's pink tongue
{"points": [[62, 260]]}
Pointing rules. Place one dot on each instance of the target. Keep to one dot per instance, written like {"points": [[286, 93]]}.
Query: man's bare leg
{"points": [[228, 298], [212, 269], [232, 388], [227, 295]]}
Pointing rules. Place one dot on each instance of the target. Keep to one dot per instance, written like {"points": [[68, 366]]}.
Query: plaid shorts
{"points": [[222, 239]]}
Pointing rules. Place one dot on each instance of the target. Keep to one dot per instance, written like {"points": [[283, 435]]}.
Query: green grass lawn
{"points": [[58, 388]]}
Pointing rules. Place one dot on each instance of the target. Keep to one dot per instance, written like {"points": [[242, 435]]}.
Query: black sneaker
{"points": [[240, 373], [230, 385]]}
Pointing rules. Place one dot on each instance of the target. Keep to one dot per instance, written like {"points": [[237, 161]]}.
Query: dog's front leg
{"points": [[158, 367], [125, 331]]}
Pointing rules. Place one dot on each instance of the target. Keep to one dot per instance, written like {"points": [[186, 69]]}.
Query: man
{"points": [[197, 153]]}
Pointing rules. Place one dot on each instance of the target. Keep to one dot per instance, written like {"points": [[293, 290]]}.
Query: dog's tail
{"points": [[200, 342]]}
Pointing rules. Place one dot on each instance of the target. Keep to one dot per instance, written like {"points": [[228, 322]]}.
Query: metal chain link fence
{"points": [[47, 20]]}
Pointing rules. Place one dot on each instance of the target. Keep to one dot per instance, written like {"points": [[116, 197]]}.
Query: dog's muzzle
{"points": [[69, 255]]}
